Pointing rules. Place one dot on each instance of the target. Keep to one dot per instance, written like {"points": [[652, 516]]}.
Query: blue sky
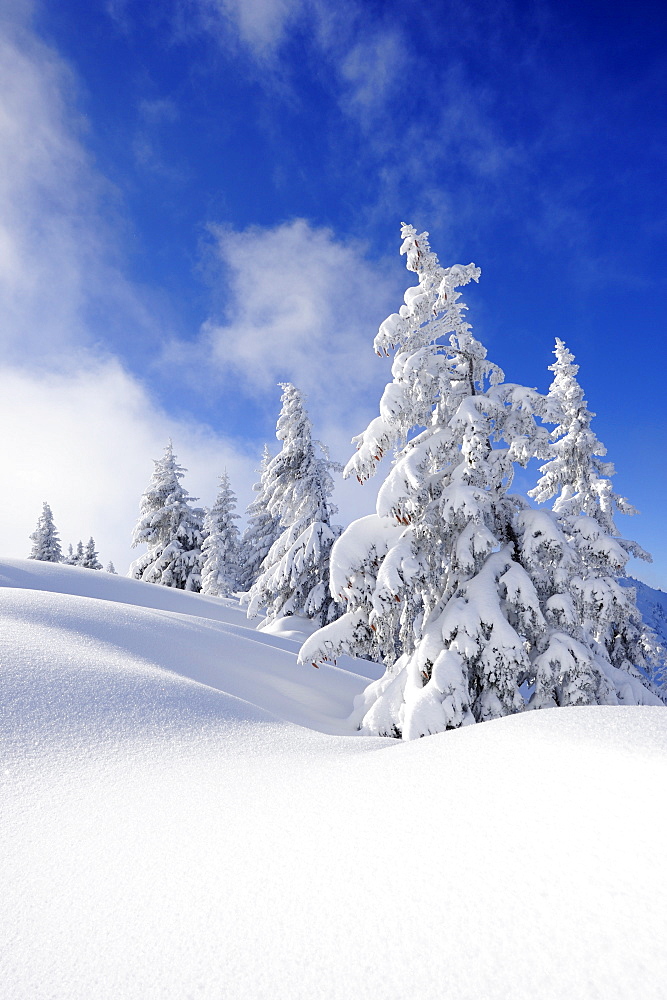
{"points": [[201, 198]]}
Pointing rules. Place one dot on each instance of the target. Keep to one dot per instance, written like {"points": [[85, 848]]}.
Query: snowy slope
{"points": [[186, 813], [653, 606]]}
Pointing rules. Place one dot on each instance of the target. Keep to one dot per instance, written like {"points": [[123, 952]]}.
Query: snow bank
{"points": [[169, 832], [30, 574]]}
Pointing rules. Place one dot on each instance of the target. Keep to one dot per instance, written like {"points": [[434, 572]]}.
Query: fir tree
{"points": [[171, 528], [45, 538], [89, 559], [220, 551], [295, 571], [432, 580], [263, 528], [599, 613], [111, 568], [70, 558]]}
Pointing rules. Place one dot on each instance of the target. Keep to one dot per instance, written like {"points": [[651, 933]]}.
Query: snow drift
{"points": [[187, 813]]}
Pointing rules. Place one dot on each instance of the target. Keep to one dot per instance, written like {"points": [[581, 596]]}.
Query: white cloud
{"points": [[85, 443], [304, 307]]}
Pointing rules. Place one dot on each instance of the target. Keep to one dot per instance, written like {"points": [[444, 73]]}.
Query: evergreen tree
{"points": [[220, 551], [467, 594], [90, 560], [593, 607], [79, 555], [45, 538], [70, 558], [263, 528], [171, 528], [111, 568], [433, 580], [295, 572]]}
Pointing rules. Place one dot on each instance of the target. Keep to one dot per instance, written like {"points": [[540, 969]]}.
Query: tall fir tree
{"points": [[434, 580], [220, 550], [171, 528], [295, 572], [262, 530], [45, 538]]}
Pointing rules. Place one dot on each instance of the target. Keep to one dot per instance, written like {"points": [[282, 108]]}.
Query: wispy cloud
{"points": [[359, 58], [478, 111], [260, 24], [371, 69], [59, 239]]}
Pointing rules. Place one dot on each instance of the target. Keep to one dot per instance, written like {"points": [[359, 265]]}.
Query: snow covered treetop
{"points": [[435, 294], [437, 359]]}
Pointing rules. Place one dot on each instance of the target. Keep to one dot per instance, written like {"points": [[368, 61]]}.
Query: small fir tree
{"points": [[220, 551], [263, 528], [295, 571], [595, 609], [90, 556], [70, 558], [80, 554], [45, 539], [111, 568], [171, 528]]}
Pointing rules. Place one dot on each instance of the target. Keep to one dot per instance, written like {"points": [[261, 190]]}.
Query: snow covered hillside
{"points": [[187, 813], [653, 606]]}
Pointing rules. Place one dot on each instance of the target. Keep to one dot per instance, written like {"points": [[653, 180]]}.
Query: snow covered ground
{"points": [[187, 814]]}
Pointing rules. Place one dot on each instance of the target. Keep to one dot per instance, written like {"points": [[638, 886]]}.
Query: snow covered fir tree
{"points": [[45, 538], [297, 486], [220, 549], [592, 607], [90, 556], [262, 528], [171, 528], [455, 584]]}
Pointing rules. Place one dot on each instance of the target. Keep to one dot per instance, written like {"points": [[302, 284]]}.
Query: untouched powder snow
{"points": [[187, 814]]}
